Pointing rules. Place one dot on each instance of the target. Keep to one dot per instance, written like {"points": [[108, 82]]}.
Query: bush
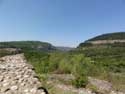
{"points": [[80, 81], [92, 88]]}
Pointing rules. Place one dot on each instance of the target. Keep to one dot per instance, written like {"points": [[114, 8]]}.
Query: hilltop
{"points": [[36, 45], [112, 39], [109, 36]]}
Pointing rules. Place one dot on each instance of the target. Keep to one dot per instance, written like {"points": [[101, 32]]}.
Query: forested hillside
{"points": [[37, 45]]}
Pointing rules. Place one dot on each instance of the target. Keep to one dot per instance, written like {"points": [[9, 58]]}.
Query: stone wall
{"points": [[18, 77]]}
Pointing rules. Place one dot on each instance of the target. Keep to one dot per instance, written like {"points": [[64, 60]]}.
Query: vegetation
{"points": [[37, 45], [107, 57], [110, 36], [105, 61], [4, 52], [61, 63]]}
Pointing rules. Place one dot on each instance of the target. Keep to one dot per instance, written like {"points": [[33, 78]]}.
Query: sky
{"points": [[60, 22]]}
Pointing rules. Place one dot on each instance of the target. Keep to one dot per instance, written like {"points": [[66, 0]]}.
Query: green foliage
{"points": [[92, 87], [61, 63], [37, 45], [107, 58], [38, 59], [85, 45], [110, 58], [81, 81], [4, 52]]}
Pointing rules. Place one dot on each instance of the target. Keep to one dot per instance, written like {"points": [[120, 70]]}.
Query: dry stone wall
{"points": [[17, 77]]}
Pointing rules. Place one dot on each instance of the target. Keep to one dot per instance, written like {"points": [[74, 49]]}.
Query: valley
{"points": [[96, 66]]}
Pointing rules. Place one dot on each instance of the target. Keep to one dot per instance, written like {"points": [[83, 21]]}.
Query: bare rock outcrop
{"points": [[17, 77], [106, 41]]}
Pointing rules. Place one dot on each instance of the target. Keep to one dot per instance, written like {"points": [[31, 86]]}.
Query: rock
{"points": [[115, 92], [14, 88], [5, 84], [34, 90]]}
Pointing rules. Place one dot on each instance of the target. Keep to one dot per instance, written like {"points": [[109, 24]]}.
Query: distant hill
{"points": [[63, 48], [110, 36], [114, 39], [37, 45], [107, 49]]}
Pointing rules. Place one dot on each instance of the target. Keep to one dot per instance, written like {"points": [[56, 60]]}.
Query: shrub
{"points": [[92, 87], [81, 81]]}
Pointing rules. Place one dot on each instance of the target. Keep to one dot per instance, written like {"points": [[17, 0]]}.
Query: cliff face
{"points": [[106, 41], [115, 39], [18, 77]]}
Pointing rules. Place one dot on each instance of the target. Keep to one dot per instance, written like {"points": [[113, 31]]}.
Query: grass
{"points": [[118, 81], [55, 90], [52, 86], [57, 62]]}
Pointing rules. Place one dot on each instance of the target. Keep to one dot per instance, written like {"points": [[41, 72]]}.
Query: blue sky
{"points": [[60, 22]]}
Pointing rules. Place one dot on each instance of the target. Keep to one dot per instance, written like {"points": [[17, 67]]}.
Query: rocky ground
{"points": [[97, 86], [18, 77]]}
